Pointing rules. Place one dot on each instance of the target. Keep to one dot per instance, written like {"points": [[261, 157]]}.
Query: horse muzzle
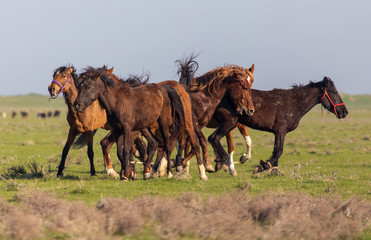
{"points": [[245, 110]]}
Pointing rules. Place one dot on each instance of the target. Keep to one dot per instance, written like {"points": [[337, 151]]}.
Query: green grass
{"points": [[323, 156]]}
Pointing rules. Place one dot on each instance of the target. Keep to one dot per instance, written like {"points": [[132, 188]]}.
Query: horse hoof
{"points": [[233, 172], [209, 168], [134, 176], [204, 177], [169, 175], [243, 159], [93, 174], [112, 173], [179, 169], [225, 167], [59, 175], [258, 169], [146, 176], [218, 166]]}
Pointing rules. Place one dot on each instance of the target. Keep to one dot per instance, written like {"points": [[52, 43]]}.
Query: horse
{"points": [[134, 109], [188, 129], [279, 111], [65, 80], [207, 91]]}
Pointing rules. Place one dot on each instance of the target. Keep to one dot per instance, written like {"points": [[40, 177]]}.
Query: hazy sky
{"points": [[288, 41]]}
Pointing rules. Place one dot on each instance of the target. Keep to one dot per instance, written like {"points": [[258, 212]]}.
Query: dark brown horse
{"points": [[279, 111], [207, 91], [86, 123], [133, 109]]}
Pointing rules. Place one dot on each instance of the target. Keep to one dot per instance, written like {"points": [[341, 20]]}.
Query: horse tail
{"points": [[81, 141], [177, 112], [187, 68]]}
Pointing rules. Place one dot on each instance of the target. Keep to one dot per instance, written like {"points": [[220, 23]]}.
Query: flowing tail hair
{"points": [[81, 141], [177, 112]]}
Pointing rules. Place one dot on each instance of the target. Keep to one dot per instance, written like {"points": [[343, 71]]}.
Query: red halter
{"points": [[334, 105]]}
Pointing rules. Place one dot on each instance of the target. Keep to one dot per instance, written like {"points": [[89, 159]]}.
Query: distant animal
{"points": [[279, 111], [56, 113], [50, 114], [24, 114], [14, 114], [66, 81], [41, 115]]}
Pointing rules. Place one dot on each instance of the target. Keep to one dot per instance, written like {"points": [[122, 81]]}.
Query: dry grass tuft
{"points": [[234, 216]]}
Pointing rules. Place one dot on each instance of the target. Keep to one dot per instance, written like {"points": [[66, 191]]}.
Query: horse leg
{"points": [[277, 152], [214, 140], [120, 145], [140, 146], [243, 130], [71, 137], [152, 146], [196, 148], [181, 148], [129, 171], [163, 123], [90, 136], [203, 142], [106, 144]]}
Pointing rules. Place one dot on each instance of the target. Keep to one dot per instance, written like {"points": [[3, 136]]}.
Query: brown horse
{"points": [[133, 109], [86, 123], [207, 91], [279, 111], [188, 129]]}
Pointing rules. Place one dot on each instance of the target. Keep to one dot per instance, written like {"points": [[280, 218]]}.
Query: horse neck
{"points": [[71, 94], [108, 98], [307, 98]]}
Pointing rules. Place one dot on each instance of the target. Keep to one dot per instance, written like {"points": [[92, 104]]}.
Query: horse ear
{"points": [[252, 69], [70, 70], [110, 71]]}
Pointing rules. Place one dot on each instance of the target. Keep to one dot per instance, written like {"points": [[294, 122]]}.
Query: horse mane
{"points": [[135, 80], [88, 72], [320, 84], [64, 68], [213, 79], [187, 68]]}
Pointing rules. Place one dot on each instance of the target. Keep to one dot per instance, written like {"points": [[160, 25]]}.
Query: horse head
{"points": [[239, 91], [331, 99], [90, 86], [63, 77]]}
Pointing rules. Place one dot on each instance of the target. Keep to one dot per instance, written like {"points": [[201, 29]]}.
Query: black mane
{"points": [[319, 84]]}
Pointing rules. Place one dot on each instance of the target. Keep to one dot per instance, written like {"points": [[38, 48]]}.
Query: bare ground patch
{"points": [[233, 216]]}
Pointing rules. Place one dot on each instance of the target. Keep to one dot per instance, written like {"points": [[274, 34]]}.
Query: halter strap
{"points": [[333, 104], [60, 85]]}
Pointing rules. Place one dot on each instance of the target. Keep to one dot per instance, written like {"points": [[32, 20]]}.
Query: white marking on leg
{"points": [[162, 167], [137, 154], [202, 171], [248, 147], [111, 172], [232, 171]]}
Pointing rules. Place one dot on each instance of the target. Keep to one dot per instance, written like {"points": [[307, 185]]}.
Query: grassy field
{"points": [[323, 157]]}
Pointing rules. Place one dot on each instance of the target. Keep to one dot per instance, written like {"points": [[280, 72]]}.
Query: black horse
{"points": [[279, 111]]}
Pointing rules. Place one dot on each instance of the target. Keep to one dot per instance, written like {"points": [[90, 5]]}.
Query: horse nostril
{"points": [[251, 111]]}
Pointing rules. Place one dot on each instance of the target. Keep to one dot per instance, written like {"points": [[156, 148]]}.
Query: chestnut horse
{"points": [[207, 91], [133, 109], [279, 111], [86, 123]]}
